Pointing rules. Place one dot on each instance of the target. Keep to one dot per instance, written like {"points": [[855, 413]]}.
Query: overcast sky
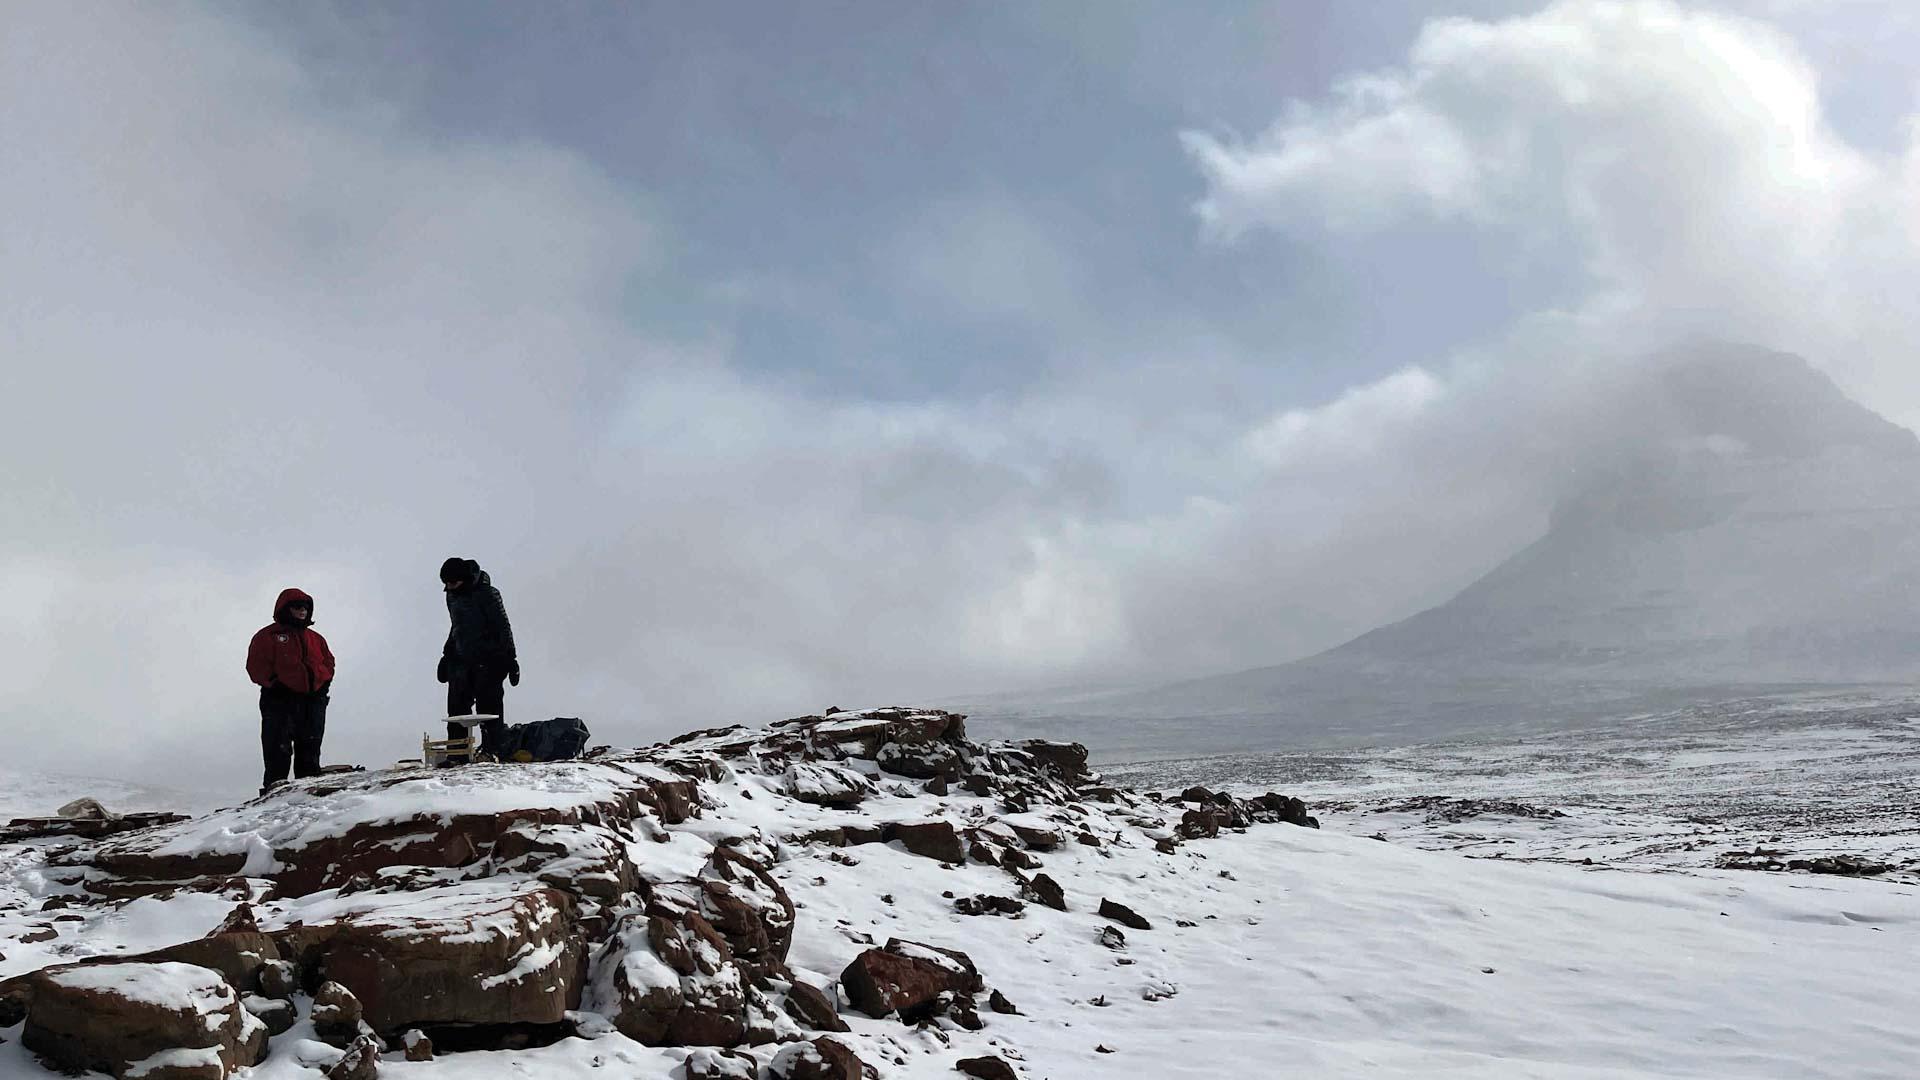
{"points": [[776, 356]]}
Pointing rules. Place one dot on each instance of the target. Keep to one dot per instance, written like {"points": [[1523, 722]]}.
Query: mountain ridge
{"points": [[1740, 527]]}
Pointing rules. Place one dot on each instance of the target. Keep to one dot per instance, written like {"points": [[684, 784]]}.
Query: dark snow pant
{"points": [[478, 689], [291, 727]]}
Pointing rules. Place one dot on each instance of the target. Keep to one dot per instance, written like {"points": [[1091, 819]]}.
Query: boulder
{"points": [[1065, 760], [919, 729], [1123, 915], [1201, 823], [1282, 808], [907, 978], [671, 979], [238, 956], [416, 1045], [674, 801], [360, 1062], [821, 1059], [813, 1007], [714, 1015], [857, 835], [987, 1068], [475, 953], [988, 904], [336, 1014], [920, 761], [960, 1009], [1037, 837], [688, 943], [930, 839], [635, 987], [707, 1063], [1045, 890], [589, 861], [858, 735], [744, 902], [1017, 859], [13, 1001], [158, 1021], [825, 785], [277, 1013], [276, 979]]}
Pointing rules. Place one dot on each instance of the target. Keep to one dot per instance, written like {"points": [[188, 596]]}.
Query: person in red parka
{"points": [[293, 667]]}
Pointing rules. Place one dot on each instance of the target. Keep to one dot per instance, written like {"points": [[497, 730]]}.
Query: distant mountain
{"points": [[1744, 527]]}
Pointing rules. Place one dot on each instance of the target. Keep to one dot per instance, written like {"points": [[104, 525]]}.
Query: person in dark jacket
{"points": [[293, 667], [479, 654]]}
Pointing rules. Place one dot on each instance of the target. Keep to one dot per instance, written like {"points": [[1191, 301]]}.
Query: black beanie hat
{"points": [[455, 569]]}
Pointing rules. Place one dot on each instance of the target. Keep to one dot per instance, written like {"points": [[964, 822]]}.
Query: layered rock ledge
{"points": [[634, 895]]}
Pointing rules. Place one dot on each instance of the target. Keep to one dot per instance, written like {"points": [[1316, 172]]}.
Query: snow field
{"points": [[1339, 956]]}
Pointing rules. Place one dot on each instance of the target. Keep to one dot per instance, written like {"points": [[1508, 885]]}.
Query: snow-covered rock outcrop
{"points": [[638, 896]]}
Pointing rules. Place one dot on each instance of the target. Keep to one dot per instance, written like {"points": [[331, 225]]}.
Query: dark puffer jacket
{"points": [[480, 635]]}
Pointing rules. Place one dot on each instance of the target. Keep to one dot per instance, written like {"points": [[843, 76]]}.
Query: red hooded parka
{"points": [[290, 654]]}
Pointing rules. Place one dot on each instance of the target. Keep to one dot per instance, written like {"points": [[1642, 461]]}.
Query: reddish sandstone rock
{"points": [[821, 1059], [417, 1046], [589, 861], [331, 831], [814, 1007], [164, 1021], [1065, 760], [744, 902], [670, 979], [907, 977], [986, 904], [707, 1063], [857, 735], [919, 728], [920, 761], [635, 987], [930, 839], [674, 800], [238, 956], [825, 785], [337, 1016], [1123, 915], [476, 953], [1045, 890], [1283, 808], [1035, 836], [1202, 823], [361, 1061], [986, 1068], [275, 979], [277, 1014]]}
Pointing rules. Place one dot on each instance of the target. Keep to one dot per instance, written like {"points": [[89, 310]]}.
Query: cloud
{"points": [[1679, 157], [1679, 160], [262, 335], [1347, 428], [261, 331]]}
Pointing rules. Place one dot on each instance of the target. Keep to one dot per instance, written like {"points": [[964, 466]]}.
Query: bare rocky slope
{"points": [[1736, 526], [633, 897]]}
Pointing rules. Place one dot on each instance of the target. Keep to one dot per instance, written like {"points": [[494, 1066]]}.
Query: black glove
{"points": [[513, 673], [441, 671]]}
